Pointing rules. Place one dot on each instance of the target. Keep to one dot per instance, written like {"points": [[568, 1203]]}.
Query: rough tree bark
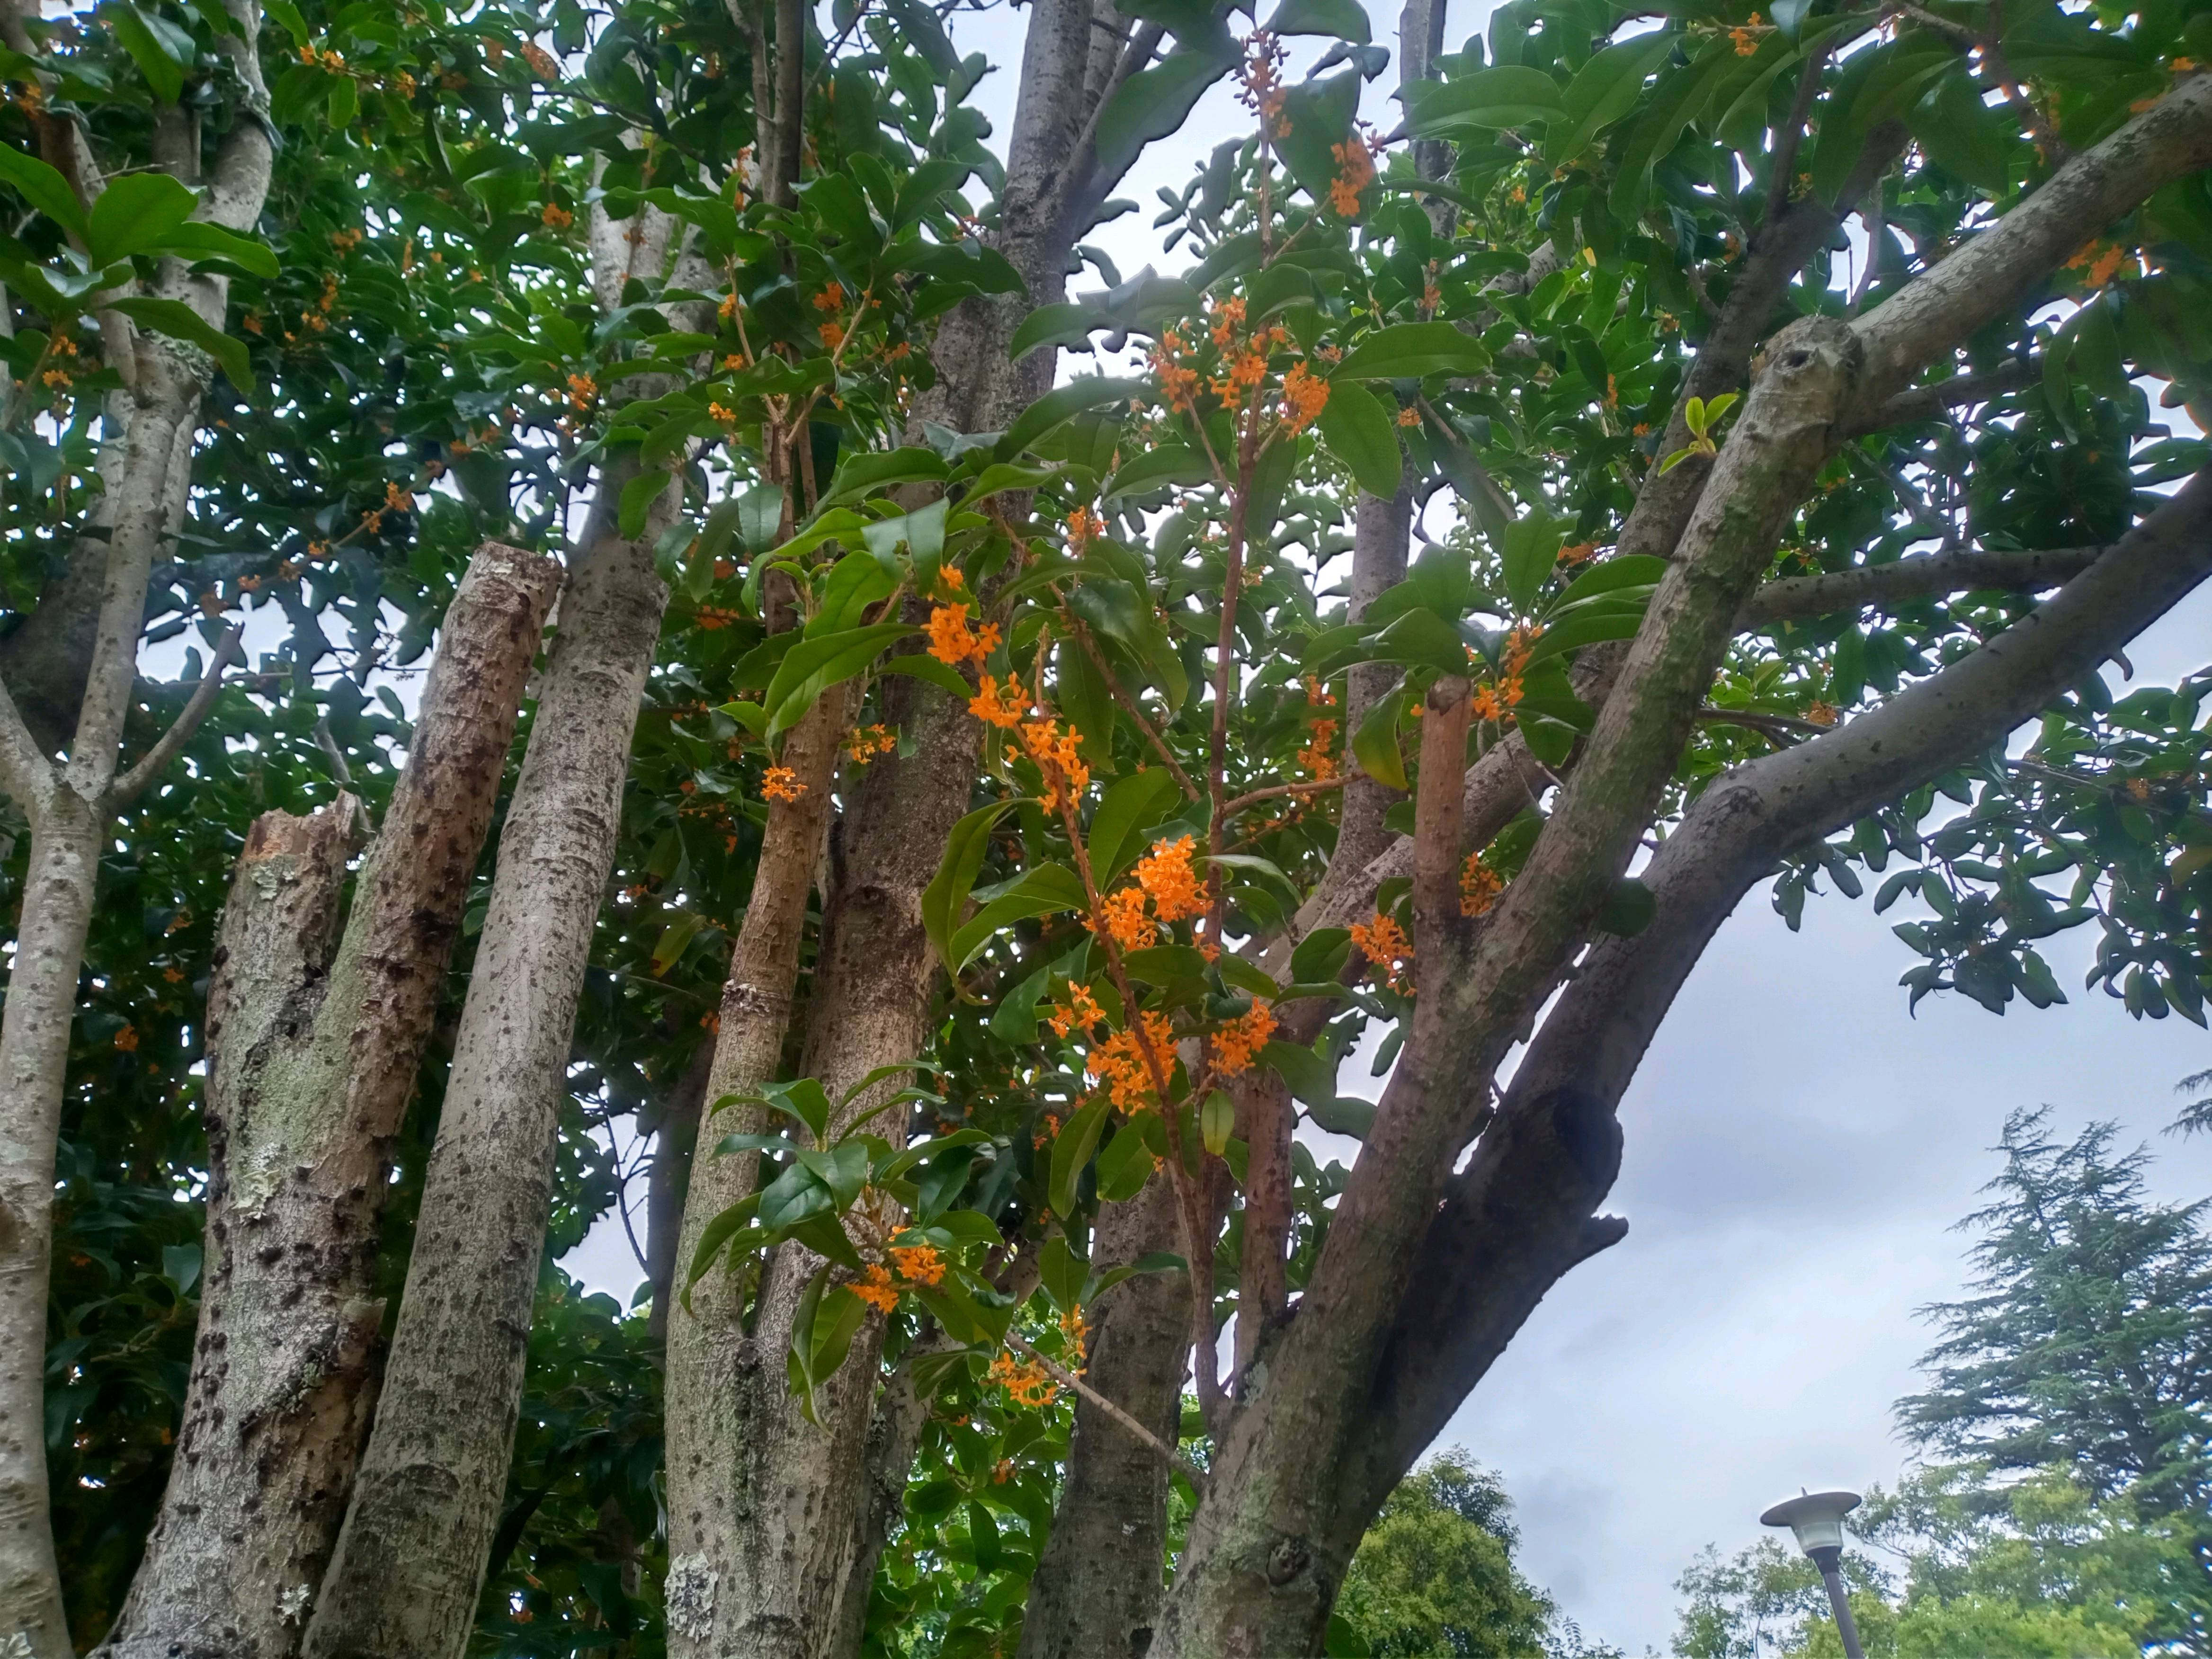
{"points": [[1097, 1586], [74, 664], [411, 1556], [766, 1559], [1285, 1504], [314, 1055], [409, 1560]]}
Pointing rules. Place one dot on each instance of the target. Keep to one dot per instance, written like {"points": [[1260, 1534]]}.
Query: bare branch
{"points": [[1890, 587], [1928, 402], [1068, 1379], [133, 783]]}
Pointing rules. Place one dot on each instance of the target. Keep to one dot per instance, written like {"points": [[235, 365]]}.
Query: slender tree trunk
{"points": [[714, 1373], [675, 1138], [410, 1558], [1098, 1584], [58, 891], [314, 1059]]}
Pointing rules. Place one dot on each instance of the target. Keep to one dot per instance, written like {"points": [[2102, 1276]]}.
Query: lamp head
{"points": [[1817, 1518]]}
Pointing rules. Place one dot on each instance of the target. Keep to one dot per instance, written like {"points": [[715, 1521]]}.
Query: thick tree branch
{"points": [[26, 776], [1520, 1216], [1994, 270], [1929, 403], [133, 783], [1889, 587]]}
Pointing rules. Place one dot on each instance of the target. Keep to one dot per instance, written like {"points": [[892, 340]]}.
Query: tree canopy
{"points": [[579, 639]]}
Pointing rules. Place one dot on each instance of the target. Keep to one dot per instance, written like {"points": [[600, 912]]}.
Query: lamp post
{"points": [[1817, 1519]]}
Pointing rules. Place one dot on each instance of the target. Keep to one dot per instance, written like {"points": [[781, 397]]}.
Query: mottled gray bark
{"points": [[313, 1059], [75, 663], [1096, 1591], [409, 1561]]}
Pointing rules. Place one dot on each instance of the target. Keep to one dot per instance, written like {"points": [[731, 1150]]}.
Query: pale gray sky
{"points": [[1798, 1149]]}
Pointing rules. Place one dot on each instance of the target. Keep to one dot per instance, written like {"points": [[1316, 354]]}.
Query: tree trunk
{"points": [[410, 1558], [713, 1376], [34, 1038], [313, 1061], [1097, 1587], [675, 1138]]}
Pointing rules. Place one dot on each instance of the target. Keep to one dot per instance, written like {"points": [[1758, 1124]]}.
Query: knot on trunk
{"points": [[1288, 1559]]}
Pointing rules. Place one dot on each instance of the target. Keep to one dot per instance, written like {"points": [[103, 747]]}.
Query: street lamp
{"points": [[1817, 1518]]}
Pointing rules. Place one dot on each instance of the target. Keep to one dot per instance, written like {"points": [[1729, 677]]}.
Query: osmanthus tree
{"points": [[1009, 831]]}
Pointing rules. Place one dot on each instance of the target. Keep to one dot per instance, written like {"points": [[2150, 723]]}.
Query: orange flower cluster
{"points": [[1305, 395], [833, 334], [1165, 875], [557, 217], [865, 743], [1247, 370], [542, 62], [1317, 757], [1057, 758], [1080, 1011], [781, 783], [1384, 944], [1077, 1331], [1236, 1043], [1118, 1064], [875, 1288], [1178, 382], [1126, 922], [953, 642], [1355, 171], [1228, 317], [1824, 713], [1001, 707], [1746, 39], [1317, 694], [920, 1264], [2098, 263], [831, 298], [1084, 527], [583, 391], [127, 1039], [1263, 92], [1027, 1382], [1478, 886], [1577, 552]]}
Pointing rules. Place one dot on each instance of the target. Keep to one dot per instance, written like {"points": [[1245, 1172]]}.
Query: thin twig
{"points": [[1779, 728], [1128, 703], [1068, 1379], [1314, 787], [1792, 134], [128, 788]]}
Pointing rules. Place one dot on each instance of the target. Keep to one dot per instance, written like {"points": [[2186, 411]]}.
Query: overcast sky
{"points": [[1798, 1149]]}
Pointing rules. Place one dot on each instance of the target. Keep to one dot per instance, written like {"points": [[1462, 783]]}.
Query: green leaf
{"points": [[1217, 1119], [1531, 549], [1374, 745], [1065, 325], [1358, 434], [287, 13], [1345, 20], [195, 238], [1250, 864], [814, 664], [1346, 1115], [638, 496], [1071, 1150], [1507, 96], [1606, 88], [1409, 351], [864, 473], [180, 322], [1154, 103], [921, 530], [760, 516], [1628, 908], [1126, 1165], [1163, 464], [920, 665], [943, 900], [43, 187], [856, 581], [1037, 893], [137, 212], [1310, 1079], [1320, 115], [1129, 802], [150, 50], [1061, 404], [723, 1228]]}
